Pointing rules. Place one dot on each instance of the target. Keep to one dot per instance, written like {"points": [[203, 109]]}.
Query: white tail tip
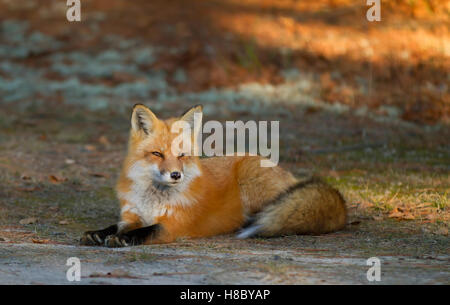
{"points": [[248, 232]]}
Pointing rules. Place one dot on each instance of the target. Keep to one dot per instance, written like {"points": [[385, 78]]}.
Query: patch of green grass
{"points": [[441, 201], [388, 187]]}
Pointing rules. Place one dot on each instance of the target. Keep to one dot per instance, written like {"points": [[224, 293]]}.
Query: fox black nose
{"points": [[175, 175]]}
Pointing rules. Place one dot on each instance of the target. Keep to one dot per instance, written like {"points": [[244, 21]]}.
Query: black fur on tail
{"points": [[251, 228]]}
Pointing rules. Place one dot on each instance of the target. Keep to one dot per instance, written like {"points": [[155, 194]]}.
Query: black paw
{"points": [[97, 238], [92, 238], [132, 238], [122, 240]]}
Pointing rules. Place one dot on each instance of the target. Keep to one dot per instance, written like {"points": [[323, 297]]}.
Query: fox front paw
{"points": [[97, 238], [117, 241], [123, 240], [92, 238]]}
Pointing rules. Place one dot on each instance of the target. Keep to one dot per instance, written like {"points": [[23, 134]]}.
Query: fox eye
{"points": [[158, 154]]}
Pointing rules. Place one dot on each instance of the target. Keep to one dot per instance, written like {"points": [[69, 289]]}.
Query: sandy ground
{"points": [[43, 264], [338, 258]]}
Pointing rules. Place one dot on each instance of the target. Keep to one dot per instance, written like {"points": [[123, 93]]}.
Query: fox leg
{"points": [[97, 238], [129, 221], [135, 237]]}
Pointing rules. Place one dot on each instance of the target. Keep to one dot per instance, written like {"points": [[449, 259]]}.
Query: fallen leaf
{"points": [[98, 175], [56, 179], [63, 222], [90, 147], [69, 161], [377, 218], [408, 216], [40, 241], [395, 214], [25, 177], [104, 141], [28, 221]]}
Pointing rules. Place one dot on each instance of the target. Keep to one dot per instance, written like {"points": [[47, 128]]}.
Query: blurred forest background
{"points": [[397, 67], [364, 104]]}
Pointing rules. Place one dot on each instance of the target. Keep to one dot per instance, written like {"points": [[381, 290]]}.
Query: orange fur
{"points": [[221, 193]]}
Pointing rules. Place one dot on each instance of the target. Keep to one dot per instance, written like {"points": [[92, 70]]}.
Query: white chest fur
{"points": [[150, 202]]}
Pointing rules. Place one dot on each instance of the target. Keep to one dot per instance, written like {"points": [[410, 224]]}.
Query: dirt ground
{"points": [[57, 181], [66, 92]]}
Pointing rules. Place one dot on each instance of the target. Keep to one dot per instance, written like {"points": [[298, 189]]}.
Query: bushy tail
{"points": [[307, 207]]}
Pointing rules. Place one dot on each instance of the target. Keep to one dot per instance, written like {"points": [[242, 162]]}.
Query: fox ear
{"points": [[143, 119], [195, 112]]}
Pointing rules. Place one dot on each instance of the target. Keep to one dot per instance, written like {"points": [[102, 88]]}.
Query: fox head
{"points": [[164, 151]]}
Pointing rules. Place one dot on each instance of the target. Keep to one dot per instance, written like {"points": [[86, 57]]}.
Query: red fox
{"points": [[164, 196]]}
